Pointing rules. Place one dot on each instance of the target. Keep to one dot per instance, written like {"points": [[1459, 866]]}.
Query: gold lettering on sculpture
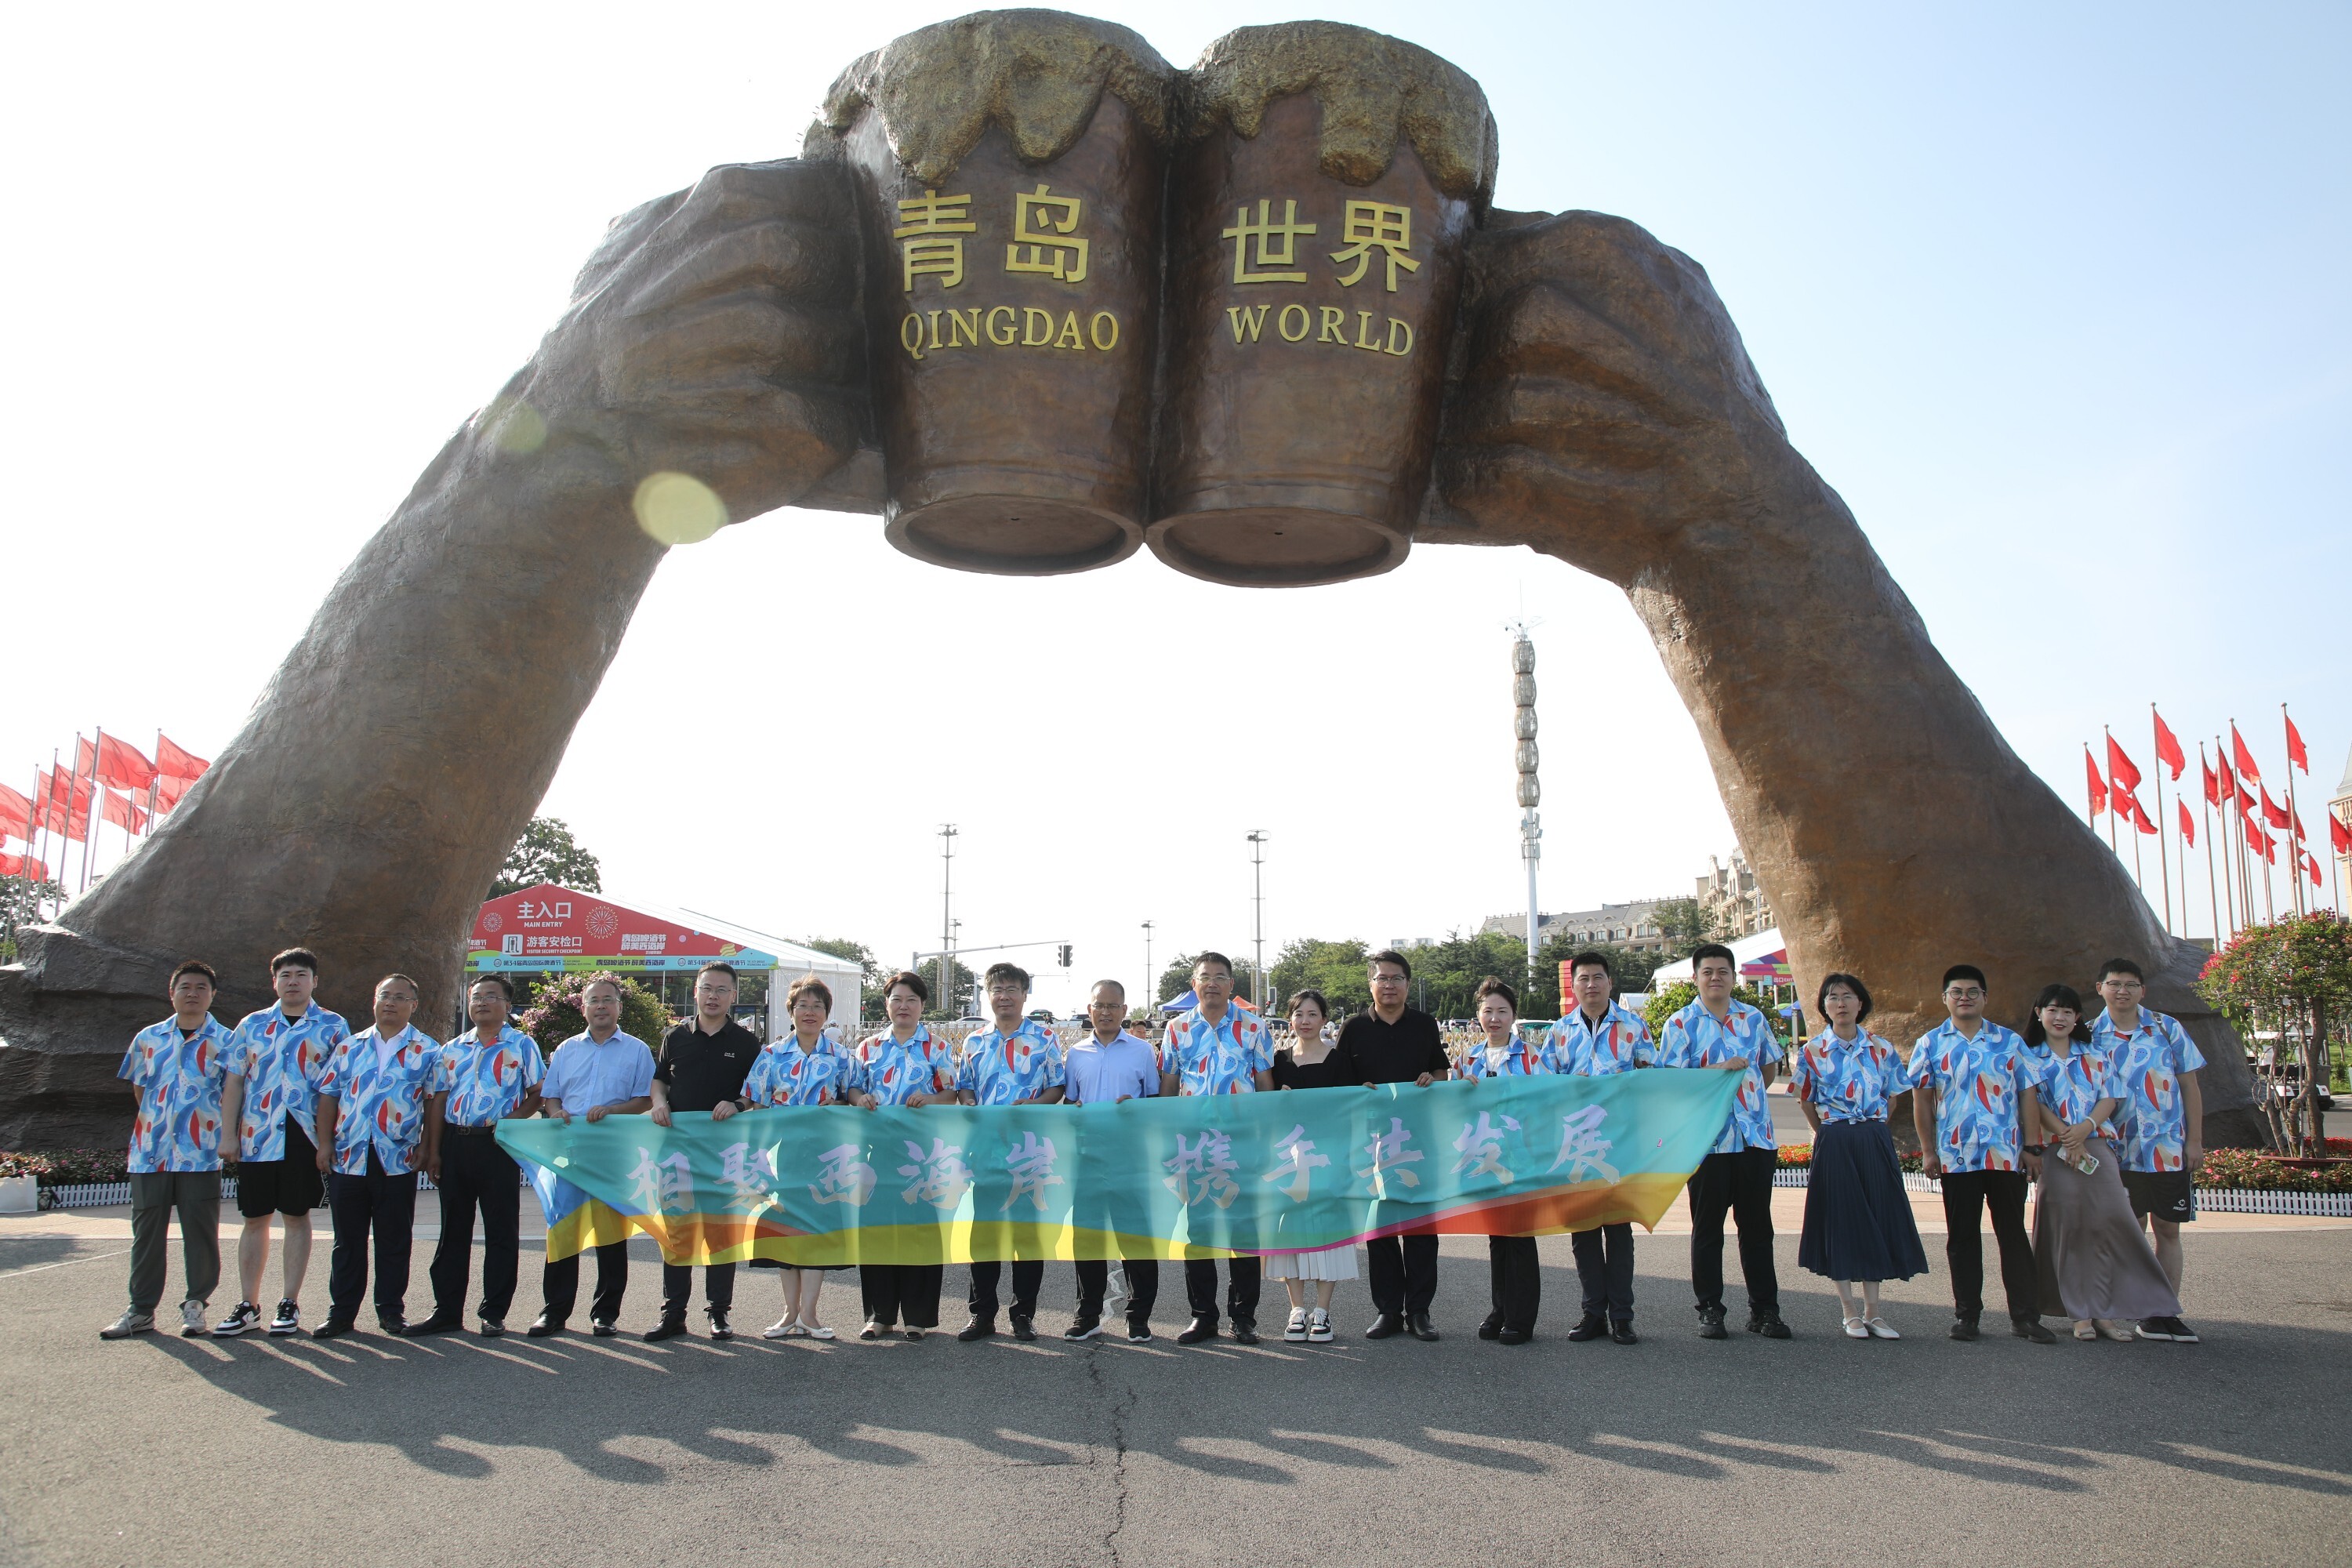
{"points": [[968, 330], [921, 223], [1036, 328], [1376, 226], [1282, 323], [910, 333], [1277, 243], [1069, 338], [1004, 342], [1363, 331], [1335, 326], [935, 330], [1069, 255], [1246, 320], [1095, 331], [1395, 327]]}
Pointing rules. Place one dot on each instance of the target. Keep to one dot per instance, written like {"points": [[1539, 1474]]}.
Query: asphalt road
{"points": [[574, 1451]]}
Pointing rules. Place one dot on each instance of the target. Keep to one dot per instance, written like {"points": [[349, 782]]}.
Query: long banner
{"points": [[1188, 1177]]}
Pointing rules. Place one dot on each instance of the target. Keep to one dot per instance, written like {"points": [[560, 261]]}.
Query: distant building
{"points": [[2340, 808], [1729, 896], [1633, 925]]}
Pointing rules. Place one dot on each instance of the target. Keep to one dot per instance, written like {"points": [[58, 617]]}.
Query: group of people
{"points": [[2104, 1113]]}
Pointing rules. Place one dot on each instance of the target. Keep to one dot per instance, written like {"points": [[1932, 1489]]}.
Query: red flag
{"points": [[2294, 752], [2242, 757], [2212, 780], [168, 791], [21, 866], [123, 765], [2229, 779], [2339, 837], [2273, 812], [119, 811], [2138, 815], [2098, 785], [16, 814], [2188, 823], [2168, 747], [2299, 834], [2261, 841], [2120, 770], [2311, 864], [85, 759], [58, 790], [2245, 801], [174, 763]]}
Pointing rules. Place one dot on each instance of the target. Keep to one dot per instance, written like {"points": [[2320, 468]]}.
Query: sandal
{"points": [[2108, 1329], [818, 1332], [1854, 1330]]}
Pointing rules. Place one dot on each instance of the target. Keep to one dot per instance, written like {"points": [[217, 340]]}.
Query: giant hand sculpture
{"points": [[1604, 413]]}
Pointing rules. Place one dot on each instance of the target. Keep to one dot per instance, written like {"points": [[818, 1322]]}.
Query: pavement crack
{"points": [[1121, 1408]]}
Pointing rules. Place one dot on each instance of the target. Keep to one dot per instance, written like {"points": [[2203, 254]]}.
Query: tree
{"points": [[1177, 979], [1666, 1003], [2290, 981], [1337, 969], [1631, 967], [547, 853], [22, 902], [871, 977], [554, 1014], [1687, 923]]}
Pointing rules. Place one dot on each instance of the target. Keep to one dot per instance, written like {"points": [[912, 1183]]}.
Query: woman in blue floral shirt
{"points": [[805, 1067], [1858, 1225]]}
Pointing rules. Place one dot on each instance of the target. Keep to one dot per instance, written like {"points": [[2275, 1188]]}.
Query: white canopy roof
{"points": [[1744, 949]]}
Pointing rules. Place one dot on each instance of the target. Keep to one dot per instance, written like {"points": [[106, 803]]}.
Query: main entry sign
{"points": [[561, 929]]}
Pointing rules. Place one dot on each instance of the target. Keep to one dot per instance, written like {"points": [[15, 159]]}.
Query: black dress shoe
{"points": [[1510, 1336], [1387, 1326], [602, 1329], [1491, 1326], [1420, 1326], [1770, 1325], [1622, 1332], [1589, 1328], [1964, 1328], [977, 1329], [396, 1328], [435, 1325], [1244, 1332], [332, 1328], [1023, 1328], [2031, 1329], [667, 1329], [1710, 1324], [720, 1329], [1196, 1331], [542, 1326]]}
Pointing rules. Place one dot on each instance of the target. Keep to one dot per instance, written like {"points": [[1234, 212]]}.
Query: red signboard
{"points": [[553, 927]]}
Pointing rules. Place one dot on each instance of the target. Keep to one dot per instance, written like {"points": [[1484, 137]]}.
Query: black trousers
{"points": [[892, 1290], [384, 1202], [561, 1283], [1516, 1280], [1028, 1274], [677, 1287], [1605, 1267], [1403, 1273], [1244, 1278], [1966, 1195], [1142, 1287], [476, 1174], [1739, 1184]]}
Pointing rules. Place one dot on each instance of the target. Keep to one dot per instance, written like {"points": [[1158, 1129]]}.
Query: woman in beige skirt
{"points": [[1312, 1062]]}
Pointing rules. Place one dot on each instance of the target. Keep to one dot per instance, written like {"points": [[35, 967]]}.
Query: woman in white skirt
{"points": [[1312, 1062]]}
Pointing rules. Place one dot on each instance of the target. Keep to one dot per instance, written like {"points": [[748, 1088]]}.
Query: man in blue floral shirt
{"points": [[1015, 1061], [1596, 1038], [2162, 1120], [178, 1069], [378, 1125], [1972, 1099], [1215, 1049], [487, 1074]]}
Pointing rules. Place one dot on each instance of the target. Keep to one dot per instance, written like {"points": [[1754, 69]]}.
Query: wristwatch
{"points": [[2036, 1148]]}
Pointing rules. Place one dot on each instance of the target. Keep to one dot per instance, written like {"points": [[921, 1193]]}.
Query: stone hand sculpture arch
{"points": [[1598, 408]]}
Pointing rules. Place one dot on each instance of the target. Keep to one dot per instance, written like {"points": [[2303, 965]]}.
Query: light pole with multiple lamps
{"points": [[947, 919], [1530, 791], [1151, 979], [1257, 903]]}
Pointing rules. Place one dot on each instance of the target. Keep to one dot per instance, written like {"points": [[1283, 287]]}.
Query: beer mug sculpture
{"points": [[1320, 202], [1010, 168]]}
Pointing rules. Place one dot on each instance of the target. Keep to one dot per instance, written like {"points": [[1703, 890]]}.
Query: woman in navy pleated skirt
{"points": [[1858, 1225]]}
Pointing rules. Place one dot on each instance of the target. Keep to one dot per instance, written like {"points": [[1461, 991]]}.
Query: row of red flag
{"points": [[110, 778]]}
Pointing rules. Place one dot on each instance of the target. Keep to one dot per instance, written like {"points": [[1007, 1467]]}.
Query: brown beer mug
{"points": [[1328, 185], [1009, 168]]}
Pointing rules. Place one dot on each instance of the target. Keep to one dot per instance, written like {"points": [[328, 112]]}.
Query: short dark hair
{"points": [[603, 977], [911, 981], [193, 966], [1964, 972], [1117, 985], [1216, 958], [806, 985], [1309, 994], [501, 981], [2056, 995], [2123, 966], [299, 958], [722, 966], [1387, 955], [1707, 950], [1003, 970], [413, 989], [1494, 985], [1601, 960], [1851, 982]]}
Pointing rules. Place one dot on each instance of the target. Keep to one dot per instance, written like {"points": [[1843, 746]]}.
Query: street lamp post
{"points": [[947, 917], [1151, 978], [1257, 903], [1530, 791]]}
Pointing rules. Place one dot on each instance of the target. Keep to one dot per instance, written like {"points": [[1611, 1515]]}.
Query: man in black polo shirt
{"points": [[702, 1067], [1395, 1043]]}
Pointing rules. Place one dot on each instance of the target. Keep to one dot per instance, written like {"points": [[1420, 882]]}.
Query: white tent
{"points": [[1745, 950]]}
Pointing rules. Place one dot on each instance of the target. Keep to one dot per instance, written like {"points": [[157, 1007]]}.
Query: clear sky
{"points": [[2053, 295]]}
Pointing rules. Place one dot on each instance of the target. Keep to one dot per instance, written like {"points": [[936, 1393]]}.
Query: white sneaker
{"points": [[289, 1320], [192, 1320], [1295, 1330], [1318, 1328], [132, 1321], [779, 1329], [243, 1317]]}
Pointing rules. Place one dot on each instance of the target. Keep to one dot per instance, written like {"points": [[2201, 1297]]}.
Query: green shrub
{"points": [[554, 1014]]}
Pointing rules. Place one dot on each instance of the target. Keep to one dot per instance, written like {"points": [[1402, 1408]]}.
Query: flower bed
{"points": [[1799, 1157], [2243, 1170], [68, 1167]]}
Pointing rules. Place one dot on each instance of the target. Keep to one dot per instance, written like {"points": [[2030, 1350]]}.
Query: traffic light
{"points": [[1065, 955]]}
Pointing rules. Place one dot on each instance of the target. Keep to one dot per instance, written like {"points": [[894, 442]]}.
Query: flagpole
{"points": [[2229, 882], [2112, 844], [2293, 818], [2163, 866], [2205, 813]]}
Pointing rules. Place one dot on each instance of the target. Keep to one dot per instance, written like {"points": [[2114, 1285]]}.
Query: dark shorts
{"points": [[293, 1185], [2168, 1195]]}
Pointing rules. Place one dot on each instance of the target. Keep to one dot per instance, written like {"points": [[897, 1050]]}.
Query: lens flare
{"points": [[678, 509], [514, 425]]}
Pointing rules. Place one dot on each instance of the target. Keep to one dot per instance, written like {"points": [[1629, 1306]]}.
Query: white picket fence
{"points": [[112, 1194], [2211, 1200]]}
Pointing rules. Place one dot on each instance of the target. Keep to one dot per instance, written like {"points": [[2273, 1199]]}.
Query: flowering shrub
{"points": [[554, 1016], [68, 1167], [2245, 1170], [1799, 1157]]}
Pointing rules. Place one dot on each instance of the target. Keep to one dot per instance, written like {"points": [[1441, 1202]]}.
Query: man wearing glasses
{"points": [[1016, 1061], [1971, 1098], [1397, 1044], [2163, 1122], [1107, 1066]]}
